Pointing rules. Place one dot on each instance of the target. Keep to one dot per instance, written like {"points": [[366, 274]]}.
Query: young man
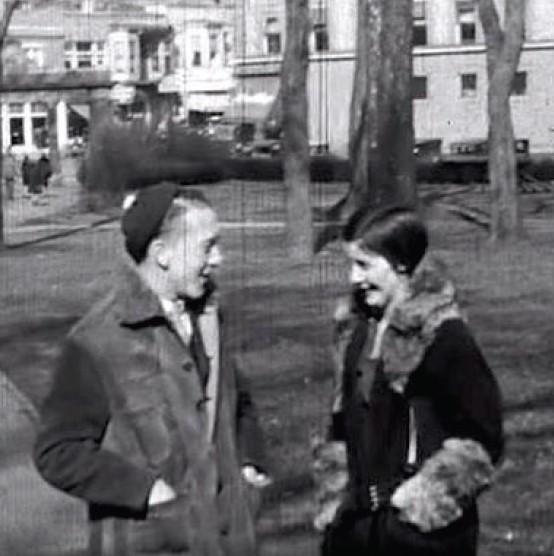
{"points": [[148, 420]]}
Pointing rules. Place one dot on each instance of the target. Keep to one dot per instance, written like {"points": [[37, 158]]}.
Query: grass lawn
{"points": [[282, 334]]}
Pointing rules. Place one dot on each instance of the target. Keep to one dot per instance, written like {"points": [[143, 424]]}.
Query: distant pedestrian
{"points": [[9, 173], [26, 172], [35, 178], [45, 170]]}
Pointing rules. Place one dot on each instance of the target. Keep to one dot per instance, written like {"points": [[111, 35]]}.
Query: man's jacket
{"points": [[127, 407]]}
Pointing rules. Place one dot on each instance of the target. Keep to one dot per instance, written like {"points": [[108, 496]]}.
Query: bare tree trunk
{"points": [[381, 117], [2, 238], [9, 7], [53, 149], [364, 101], [296, 151], [381, 128], [503, 54]]}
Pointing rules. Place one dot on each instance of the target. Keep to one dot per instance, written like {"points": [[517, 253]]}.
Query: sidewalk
{"points": [[57, 209], [35, 519]]}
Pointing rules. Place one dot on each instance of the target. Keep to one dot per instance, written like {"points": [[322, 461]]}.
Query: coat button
{"points": [[188, 366]]}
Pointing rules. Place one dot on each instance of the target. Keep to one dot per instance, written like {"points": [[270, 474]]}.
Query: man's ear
{"points": [[159, 251]]}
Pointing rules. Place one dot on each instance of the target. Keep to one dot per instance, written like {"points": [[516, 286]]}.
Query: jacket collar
{"points": [[414, 323], [431, 292], [136, 302]]}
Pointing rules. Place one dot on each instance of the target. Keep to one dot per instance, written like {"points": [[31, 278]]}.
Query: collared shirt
{"points": [[179, 317]]}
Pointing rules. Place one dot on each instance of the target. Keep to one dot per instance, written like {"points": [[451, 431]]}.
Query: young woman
{"points": [[420, 409]]}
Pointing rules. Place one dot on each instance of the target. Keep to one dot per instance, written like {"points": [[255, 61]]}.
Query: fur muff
{"points": [[330, 477], [446, 484]]}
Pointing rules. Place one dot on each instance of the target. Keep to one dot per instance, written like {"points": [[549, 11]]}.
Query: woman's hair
{"points": [[396, 233]]}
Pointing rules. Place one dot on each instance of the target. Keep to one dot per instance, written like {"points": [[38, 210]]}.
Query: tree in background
{"points": [[53, 148], [296, 149], [14, 57], [503, 53], [381, 137], [9, 8]]}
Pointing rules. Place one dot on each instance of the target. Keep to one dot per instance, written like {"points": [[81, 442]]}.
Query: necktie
{"points": [[198, 352]]}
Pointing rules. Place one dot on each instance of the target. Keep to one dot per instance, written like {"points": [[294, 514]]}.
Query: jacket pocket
{"points": [[152, 434]]}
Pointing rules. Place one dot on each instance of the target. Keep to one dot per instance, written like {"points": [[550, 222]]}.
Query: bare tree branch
{"points": [[514, 33], [503, 54], [494, 36], [9, 8]]}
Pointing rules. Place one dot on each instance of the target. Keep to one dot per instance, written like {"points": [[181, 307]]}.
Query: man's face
{"points": [[194, 254], [372, 276]]}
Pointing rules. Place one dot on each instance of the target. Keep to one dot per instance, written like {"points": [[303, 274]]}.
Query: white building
{"points": [[450, 78]]}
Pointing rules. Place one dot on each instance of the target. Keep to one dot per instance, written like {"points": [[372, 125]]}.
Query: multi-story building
{"points": [[203, 41], [63, 55], [449, 65]]}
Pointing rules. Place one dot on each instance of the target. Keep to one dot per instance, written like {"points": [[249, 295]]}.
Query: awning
{"points": [[254, 106], [82, 109], [208, 102]]}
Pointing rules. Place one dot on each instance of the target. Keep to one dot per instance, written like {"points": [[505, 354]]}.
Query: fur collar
{"points": [[413, 324]]}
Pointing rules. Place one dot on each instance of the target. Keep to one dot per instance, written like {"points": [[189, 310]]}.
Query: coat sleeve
{"points": [[68, 452], [465, 390]]}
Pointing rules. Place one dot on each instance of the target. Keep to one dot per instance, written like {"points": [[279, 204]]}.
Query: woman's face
{"points": [[373, 276]]}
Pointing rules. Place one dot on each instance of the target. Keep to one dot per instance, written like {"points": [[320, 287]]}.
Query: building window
{"points": [[84, 54], [39, 124], [272, 36], [273, 43], [133, 54], [156, 61], [321, 37], [469, 85], [101, 6], [34, 54], [318, 17], [519, 84], [213, 43], [73, 5], [467, 17], [167, 49], [419, 31], [16, 131], [15, 110], [196, 51], [160, 58], [419, 87], [227, 47]]}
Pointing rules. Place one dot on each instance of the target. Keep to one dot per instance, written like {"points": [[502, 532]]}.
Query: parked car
{"points": [[246, 137]]}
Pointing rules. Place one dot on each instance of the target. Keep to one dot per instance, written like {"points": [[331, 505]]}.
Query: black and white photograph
{"points": [[276, 277]]}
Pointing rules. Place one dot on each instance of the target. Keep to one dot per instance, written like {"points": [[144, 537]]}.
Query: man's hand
{"points": [[160, 493], [254, 477]]}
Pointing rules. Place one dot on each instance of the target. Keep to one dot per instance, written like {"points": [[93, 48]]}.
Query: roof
{"points": [[58, 80]]}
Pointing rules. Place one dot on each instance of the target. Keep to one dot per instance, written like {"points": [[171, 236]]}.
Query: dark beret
{"points": [[141, 221]]}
